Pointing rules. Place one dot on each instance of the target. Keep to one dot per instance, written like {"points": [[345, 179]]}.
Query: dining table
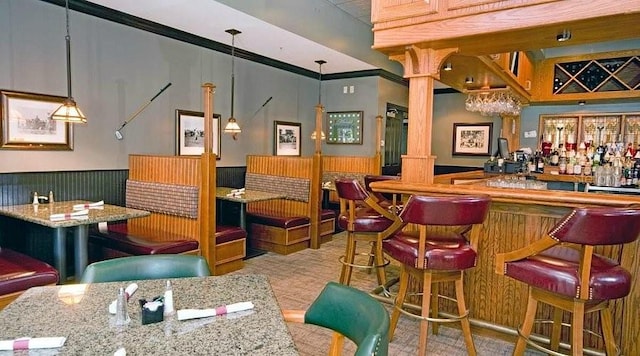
{"points": [[79, 313], [41, 214]]}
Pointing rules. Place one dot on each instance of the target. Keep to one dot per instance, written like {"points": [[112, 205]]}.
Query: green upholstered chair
{"points": [[350, 313], [146, 267]]}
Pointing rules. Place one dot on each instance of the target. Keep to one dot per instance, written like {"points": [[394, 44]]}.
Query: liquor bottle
{"points": [[539, 162], [562, 163], [555, 158]]}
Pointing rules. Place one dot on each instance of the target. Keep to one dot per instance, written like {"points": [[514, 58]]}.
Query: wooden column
{"points": [[316, 182], [208, 183], [421, 66], [511, 131]]}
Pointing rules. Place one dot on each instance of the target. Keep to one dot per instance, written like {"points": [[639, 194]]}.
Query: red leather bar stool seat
{"points": [[435, 255], [562, 270], [364, 221]]}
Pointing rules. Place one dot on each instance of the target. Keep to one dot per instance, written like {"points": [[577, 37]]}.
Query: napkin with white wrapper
{"points": [[78, 215], [128, 292], [185, 314], [96, 205], [26, 343], [236, 192]]}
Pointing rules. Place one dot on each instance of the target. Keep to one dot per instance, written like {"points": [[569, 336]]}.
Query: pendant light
{"points": [[68, 111], [232, 126], [320, 63]]}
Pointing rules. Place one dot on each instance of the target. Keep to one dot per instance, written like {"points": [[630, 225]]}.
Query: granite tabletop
{"points": [[40, 213], [248, 196], [79, 313]]}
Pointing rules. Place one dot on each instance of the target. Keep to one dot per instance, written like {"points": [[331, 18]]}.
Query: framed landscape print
{"points": [[26, 124], [190, 133], [345, 127], [286, 138], [472, 139]]}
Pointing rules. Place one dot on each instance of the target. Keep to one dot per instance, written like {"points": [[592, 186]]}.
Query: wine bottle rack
{"points": [[597, 75]]}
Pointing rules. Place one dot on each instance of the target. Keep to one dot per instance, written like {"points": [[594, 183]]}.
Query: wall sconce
{"points": [[322, 135], [564, 36]]}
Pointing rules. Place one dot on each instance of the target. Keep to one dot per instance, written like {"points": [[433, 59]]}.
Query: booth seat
{"points": [[19, 272], [278, 233]]}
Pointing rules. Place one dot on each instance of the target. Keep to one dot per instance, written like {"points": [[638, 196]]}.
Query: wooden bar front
{"points": [[517, 218]]}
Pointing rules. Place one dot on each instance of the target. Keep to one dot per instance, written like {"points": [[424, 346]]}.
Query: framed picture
{"points": [[26, 124], [345, 127], [286, 138], [472, 139], [190, 133]]}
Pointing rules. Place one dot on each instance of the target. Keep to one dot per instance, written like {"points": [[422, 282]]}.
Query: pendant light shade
{"points": [[68, 111], [232, 126], [320, 63]]}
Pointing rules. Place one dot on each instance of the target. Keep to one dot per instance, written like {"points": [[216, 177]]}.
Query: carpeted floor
{"points": [[299, 277]]}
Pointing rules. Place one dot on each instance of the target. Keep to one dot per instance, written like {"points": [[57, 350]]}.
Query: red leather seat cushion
{"points": [[327, 214], [227, 233], [284, 222], [119, 239], [367, 220], [20, 272], [444, 251], [556, 270]]}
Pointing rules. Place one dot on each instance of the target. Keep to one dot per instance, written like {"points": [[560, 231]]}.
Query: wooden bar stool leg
{"points": [[424, 323], [577, 328], [435, 307], [557, 327], [606, 323], [402, 292], [527, 325], [379, 262], [345, 274], [462, 309]]}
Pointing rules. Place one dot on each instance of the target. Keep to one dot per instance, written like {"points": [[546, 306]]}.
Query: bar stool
{"points": [[562, 270], [432, 257], [365, 221]]}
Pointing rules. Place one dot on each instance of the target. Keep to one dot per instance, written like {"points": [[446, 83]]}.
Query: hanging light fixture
{"points": [[320, 63], [232, 126], [68, 111]]}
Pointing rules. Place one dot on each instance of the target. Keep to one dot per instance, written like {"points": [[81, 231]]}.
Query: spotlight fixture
{"points": [[468, 80], [232, 126], [564, 36], [448, 66], [581, 102], [68, 111]]}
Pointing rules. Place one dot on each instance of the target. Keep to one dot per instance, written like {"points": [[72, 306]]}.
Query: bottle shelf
{"points": [[597, 75]]}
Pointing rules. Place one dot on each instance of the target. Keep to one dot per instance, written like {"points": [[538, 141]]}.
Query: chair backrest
{"points": [[146, 267], [354, 314], [598, 226], [350, 189], [446, 210]]}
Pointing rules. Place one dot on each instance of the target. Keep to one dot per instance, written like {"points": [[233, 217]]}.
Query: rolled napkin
{"points": [[80, 215], [26, 343], [128, 292], [185, 314], [96, 205]]}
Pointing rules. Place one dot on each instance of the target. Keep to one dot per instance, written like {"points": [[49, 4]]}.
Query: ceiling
{"points": [[299, 42]]}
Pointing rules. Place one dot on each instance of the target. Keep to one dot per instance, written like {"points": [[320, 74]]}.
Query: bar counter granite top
{"points": [[79, 312]]}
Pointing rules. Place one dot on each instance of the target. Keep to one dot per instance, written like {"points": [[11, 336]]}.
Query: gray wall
{"points": [[116, 69]]}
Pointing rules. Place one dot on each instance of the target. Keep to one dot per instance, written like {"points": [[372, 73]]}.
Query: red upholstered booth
{"points": [[20, 272]]}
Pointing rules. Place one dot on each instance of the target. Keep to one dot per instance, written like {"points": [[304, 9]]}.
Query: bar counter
{"points": [[518, 217]]}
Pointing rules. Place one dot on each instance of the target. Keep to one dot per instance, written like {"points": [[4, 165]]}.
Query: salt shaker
{"points": [[168, 300], [50, 196], [35, 198], [122, 316]]}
